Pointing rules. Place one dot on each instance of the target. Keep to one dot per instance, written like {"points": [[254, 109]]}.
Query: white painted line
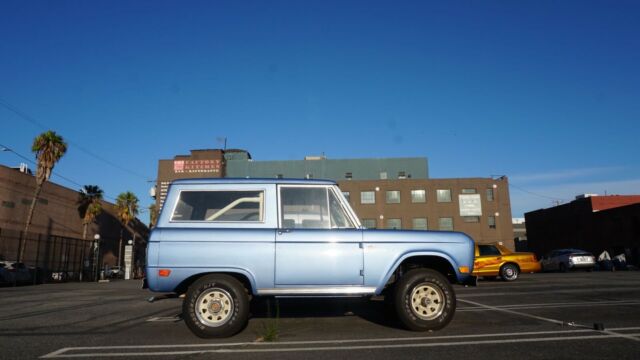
{"points": [[342, 348], [559, 322], [344, 341], [552, 305], [56, 353], [163, 319], [555, 291]]}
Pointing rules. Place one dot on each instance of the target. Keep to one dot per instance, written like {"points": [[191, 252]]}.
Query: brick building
{"points": [[55, 239]]}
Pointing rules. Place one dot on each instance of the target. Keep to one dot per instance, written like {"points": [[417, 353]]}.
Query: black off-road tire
{"points": [[218, 292], [509, 272], [424, 300]]}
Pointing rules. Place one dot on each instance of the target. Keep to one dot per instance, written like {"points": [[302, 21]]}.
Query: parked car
{"points": [[568, 259], [223, 241], [18, 272], [114, 272], [493, 260], [6, 276]]}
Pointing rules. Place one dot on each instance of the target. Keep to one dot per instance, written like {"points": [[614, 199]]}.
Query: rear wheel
{"points": [[216, 306], [509, 272], [424, 300]]}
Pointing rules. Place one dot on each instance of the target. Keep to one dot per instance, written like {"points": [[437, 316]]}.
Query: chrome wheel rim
{"points": [[214, 307], [427, 301], [510, 273]]}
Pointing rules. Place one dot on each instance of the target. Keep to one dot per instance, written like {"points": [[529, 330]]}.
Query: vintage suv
{"points": [[222, 241]]}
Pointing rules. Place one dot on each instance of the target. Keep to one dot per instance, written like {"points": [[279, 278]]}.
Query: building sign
{"points": [[197, 166], [470, 205]]}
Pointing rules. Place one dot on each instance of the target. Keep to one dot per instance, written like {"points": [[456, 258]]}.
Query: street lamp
{"points": [[96, 255], [131, 269]]}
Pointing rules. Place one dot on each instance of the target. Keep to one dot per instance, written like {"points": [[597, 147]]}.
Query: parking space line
{"points": [[491, 293], [552, 305], [554, 321], [274, 346], [164, 319]]}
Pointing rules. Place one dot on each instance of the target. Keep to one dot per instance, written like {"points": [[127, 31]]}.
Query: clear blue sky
{"points": [[546, 92]]}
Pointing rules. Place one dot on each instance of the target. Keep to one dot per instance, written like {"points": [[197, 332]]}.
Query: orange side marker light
{"points": [[164, 272]]}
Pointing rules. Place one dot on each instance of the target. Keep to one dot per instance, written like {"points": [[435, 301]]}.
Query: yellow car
{"points": [[496, 260]]}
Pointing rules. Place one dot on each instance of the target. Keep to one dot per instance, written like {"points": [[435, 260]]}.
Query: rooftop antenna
{"points": [[222, 140]]}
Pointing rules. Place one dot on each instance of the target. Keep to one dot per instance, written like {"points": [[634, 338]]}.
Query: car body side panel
{"points": [[319, 257], [384, 251], [187, 252]]}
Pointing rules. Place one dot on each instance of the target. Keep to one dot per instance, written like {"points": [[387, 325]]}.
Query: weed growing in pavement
{"points": [[270, 327]]}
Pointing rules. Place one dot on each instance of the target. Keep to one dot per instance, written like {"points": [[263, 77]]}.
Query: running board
{"points": [[319, 291]]}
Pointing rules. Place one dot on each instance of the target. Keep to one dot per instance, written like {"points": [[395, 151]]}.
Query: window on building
{"points": [[383, 175], [418, 196], [393, 197], [369, 223], [471, 219], [220, 206], [8, 204], [492, 222], [368, 197], [489, 194], [43, 201], [445, 224], [348, 176], [468, 191], [26, 202], [308, 176], [347, 195], [279, 176], [443, 195], [402, 175], [394, 224], [419, 223]]}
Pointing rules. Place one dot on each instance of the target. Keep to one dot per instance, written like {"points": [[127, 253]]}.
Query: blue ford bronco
{"points": [[222, 242]]}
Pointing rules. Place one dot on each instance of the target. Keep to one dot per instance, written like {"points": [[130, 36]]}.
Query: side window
{"points": [[304, 207], [339, 219], [219, 206], [486, 250]]}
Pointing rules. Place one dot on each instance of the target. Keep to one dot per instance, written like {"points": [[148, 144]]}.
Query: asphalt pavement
{"points": [[576, 315]]}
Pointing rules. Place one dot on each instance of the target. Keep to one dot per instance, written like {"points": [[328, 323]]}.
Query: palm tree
{"points": [[127, 210], [89, 206], [48, 147], [153, 215]]}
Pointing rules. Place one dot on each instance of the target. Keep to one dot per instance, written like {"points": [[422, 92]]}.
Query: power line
{"points": [[33, 121], [535, 194], [54, 173]]}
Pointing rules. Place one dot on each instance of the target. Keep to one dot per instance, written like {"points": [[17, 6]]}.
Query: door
{"points": [[488, 260], [316, 243]]}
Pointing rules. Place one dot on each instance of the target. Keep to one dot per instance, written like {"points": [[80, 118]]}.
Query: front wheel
{"points": [[424, 300], [216, 306]]}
